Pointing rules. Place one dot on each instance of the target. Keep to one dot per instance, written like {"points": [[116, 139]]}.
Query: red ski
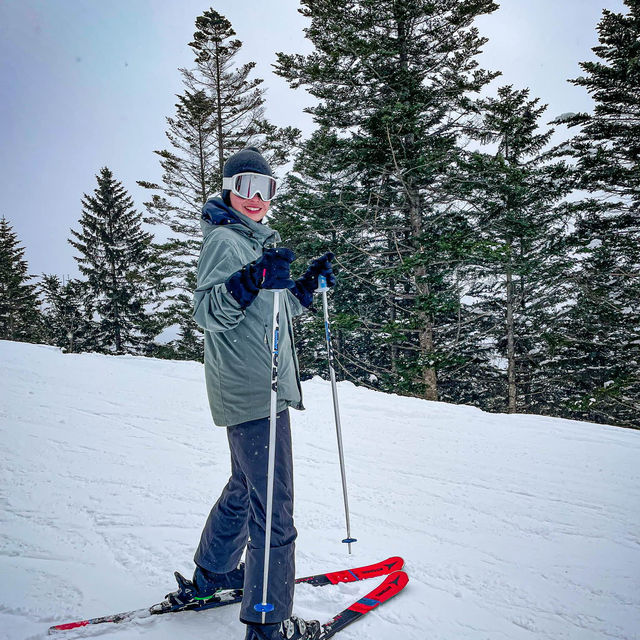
{"points": [[392, 586], [224, 598], [352, 575]]}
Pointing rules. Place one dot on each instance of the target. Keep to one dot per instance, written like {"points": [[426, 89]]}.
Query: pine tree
{"points": [[313, 205], [69, 316], [20, 317], [113, 255], [220, 112], [600, 357], [393, 80], [517, 269]]}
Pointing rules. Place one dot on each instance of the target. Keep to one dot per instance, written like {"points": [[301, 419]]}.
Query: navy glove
{"points": [[270, 271], [308, 283]]}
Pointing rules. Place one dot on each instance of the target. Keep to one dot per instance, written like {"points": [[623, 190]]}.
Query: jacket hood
{"points": [[216, 213]]}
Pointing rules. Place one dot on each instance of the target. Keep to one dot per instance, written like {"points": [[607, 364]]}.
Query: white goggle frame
{"points": [[248, 184]]}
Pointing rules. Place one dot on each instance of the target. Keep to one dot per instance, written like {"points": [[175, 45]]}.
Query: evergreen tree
{"points": [[312, 208], [393, 80], [20, 317], [601, 352], [186, 181], [114, 251], [517, 270], [220, 112], [69, 316]]}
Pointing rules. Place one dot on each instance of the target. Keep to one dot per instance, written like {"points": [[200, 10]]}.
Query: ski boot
{"points": [[205, 585], [292, 629]]}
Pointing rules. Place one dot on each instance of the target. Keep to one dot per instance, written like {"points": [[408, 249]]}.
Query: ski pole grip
{"points": [[322, 284]]}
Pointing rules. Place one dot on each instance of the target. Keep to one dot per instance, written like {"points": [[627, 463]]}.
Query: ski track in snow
{"points": [[512, 527]]}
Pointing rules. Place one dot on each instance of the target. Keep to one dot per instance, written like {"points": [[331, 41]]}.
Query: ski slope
{"points": [[512, 527]]}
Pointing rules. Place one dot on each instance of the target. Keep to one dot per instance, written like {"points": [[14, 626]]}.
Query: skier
{"points": [[238, 264]]}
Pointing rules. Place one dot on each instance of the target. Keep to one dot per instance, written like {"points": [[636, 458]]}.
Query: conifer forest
{"points": [[478, 262]]}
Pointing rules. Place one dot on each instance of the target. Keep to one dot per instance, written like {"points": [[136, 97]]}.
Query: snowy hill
{"points": [[512, 527]]}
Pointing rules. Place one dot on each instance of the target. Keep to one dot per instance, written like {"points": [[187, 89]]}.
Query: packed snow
{"points": [[512, 526]]}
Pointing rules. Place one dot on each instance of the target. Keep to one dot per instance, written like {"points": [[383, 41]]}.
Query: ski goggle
{"points": [[247, 185]]}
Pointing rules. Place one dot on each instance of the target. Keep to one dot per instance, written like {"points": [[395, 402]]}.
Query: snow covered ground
{"points": [[512, 527]]}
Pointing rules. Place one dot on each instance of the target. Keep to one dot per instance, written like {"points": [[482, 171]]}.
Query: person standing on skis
{"points": [[238, 265]]}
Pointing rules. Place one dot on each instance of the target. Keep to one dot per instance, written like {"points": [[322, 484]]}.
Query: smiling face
{"points": [[255, 208]]}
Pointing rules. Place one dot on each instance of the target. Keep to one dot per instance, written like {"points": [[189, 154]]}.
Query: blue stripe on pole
{"points": [[322, 284], [264, 608]]}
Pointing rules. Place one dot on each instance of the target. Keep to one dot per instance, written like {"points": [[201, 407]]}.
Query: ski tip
{"points": [[67, 627], [403, 577], [394, 563], [398, 578], [391, 586]]}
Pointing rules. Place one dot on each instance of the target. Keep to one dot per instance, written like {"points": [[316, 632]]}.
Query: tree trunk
{"points": [[524, 374], [429, 376], [219, 110], [511, 355], [114, 287], [425, 333], [425, 322], [203, 168], [425, 338], [393, 349]]}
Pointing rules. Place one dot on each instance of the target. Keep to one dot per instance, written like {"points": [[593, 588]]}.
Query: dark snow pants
{"points": [[238, 519]]}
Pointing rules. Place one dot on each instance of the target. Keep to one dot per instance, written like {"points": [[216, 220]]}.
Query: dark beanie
{"points": [[249, 159]]}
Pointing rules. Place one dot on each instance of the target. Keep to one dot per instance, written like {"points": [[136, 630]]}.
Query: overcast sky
{"points": [[88, 83]]}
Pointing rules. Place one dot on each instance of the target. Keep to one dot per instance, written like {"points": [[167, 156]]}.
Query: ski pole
{"points": [[322, 287], [264, 606]]}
